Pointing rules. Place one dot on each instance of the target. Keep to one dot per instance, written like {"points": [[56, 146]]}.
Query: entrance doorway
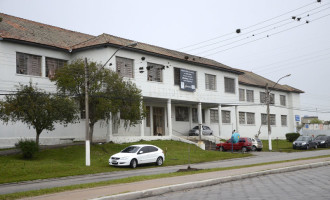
{"points": [[158, 121]]}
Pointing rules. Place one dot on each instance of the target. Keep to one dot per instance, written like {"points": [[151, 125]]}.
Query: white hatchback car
{"points": [[138, 154]]}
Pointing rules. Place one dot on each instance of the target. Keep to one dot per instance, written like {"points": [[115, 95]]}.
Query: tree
{"points": [[37, 109], [316, 121], [108, 93]]}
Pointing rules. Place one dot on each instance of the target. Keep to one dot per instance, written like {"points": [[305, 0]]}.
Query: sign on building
{"points": [[297, 117], [187, 80]]}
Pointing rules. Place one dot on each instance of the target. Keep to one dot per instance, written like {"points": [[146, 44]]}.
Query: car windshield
{"points": [[301, 138], [131, 149], [321, 137], [196, 127]]}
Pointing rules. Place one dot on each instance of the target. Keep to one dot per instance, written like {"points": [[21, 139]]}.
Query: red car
{"points": [[244, 144]]}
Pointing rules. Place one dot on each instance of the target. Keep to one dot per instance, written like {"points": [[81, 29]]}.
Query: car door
{"points": [[142, 155], [239, 144], [152, 154]]}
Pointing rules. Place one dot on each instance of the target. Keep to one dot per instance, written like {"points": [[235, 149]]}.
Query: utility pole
{"points": [[87, 142]]}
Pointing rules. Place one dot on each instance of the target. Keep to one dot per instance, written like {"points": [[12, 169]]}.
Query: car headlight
{"points": [[293, 143], [322, 142], [124, 158], [303, 143]]}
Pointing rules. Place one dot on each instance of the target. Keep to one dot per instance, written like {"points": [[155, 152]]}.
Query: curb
{"points": [[204, 183]]}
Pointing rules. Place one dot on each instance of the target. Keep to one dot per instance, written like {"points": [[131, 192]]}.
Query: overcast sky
{"points": [[270, 43]]}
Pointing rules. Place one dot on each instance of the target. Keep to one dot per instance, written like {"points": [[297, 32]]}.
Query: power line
{"points": [[248, 26]]}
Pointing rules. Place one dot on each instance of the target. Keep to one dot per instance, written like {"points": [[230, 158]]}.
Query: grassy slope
{"points": [[70, 160]]}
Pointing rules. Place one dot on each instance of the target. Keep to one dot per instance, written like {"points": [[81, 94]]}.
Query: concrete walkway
{"points": [[160, 186]]}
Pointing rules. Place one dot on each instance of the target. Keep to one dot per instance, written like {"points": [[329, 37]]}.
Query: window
{"points": [[28, 64], [125, 67], [250, 118], [225, 116], [155, 72], [52, 64], [262, 97], [272, 98], [195, 115], [241, 94], [249, 96], [241, 117], [283, 100], [210, 82], [246, 118], [148, 116], [214, 116], [284, 120], [181, 114], [264, 119], [229, 85]]}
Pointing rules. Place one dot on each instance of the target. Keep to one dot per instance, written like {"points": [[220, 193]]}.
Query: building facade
{"points": [[179, 90]]}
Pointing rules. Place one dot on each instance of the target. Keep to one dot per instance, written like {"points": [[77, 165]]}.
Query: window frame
{"points": [[29, 64], [59, 65], [214, 116], [158, 68], [282, 100], [241, 93], [224, 115], [284, 118], [208, 82], [181, 110], [249, 93], [123, 74], [230, 87]]}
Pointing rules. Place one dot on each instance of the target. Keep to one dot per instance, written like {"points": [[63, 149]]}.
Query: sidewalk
{"points": [[159, 186]]}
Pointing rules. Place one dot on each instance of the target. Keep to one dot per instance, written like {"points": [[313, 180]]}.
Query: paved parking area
{"points": [[303, 184]]}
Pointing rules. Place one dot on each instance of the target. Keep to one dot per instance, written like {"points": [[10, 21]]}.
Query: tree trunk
{"points": [[37, 137], [91, 131]]}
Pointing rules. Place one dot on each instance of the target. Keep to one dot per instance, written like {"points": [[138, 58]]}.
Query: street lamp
{"points": [[87, 142], [268, 110]]}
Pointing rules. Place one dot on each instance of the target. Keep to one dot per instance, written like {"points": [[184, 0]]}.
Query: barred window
{"points": [[262, 97], [283, 100], [241, 117], [28, 64], [225, 116], [210, 82], [195, 115], [272, 98], [229, 85], [241, 94], [284, 120], [125, 67], [250, 118], [155, 72], [272, 119], [214, 115], [52, 64], [249, 96], [181, 114]]}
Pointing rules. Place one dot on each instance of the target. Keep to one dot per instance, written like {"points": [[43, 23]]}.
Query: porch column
{"points": [[200, 120], [237, 118], [169, 117], [109, 129], [142, 121], [151, 121], [219, 119]]}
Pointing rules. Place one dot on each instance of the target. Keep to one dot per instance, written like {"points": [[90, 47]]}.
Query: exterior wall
{"points": [[155, 94]]}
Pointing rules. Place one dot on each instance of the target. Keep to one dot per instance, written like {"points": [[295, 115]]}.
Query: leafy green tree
{"points": [[108, 93], [37, 109], [316, 121]]}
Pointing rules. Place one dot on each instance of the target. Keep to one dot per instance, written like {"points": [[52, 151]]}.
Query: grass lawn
{"points": [[283, 146], [70, 160]]}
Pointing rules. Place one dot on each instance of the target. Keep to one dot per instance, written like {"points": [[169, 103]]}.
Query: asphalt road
{"points": [[260, 157], [303, 184]]}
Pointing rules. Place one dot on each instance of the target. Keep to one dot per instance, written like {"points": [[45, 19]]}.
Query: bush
{"points": [[27, 147], [291, 136]]}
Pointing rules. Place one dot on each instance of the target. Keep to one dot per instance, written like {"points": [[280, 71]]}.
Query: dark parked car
{"points": [[195, 131], [304, 142], [322, 141], [244, 144]]}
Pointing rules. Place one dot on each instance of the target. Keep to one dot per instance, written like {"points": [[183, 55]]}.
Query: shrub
{"points": [[291, 136], [27, 147]]}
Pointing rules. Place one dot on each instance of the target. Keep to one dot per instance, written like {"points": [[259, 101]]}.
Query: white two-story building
{"points": [[177, 87]]}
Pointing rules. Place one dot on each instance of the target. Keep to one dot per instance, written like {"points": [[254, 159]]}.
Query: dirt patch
{"points": [[189, 169]]}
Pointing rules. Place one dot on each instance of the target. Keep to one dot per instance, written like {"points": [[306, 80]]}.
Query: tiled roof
{"points": [[29, 31], [252, 79]]}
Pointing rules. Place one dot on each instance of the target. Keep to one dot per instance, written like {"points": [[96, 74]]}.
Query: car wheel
{"points": [[307, 147], [254, 148], [221, 149], [244, 149], [326, 145], [133, 163], [159, 161]]}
